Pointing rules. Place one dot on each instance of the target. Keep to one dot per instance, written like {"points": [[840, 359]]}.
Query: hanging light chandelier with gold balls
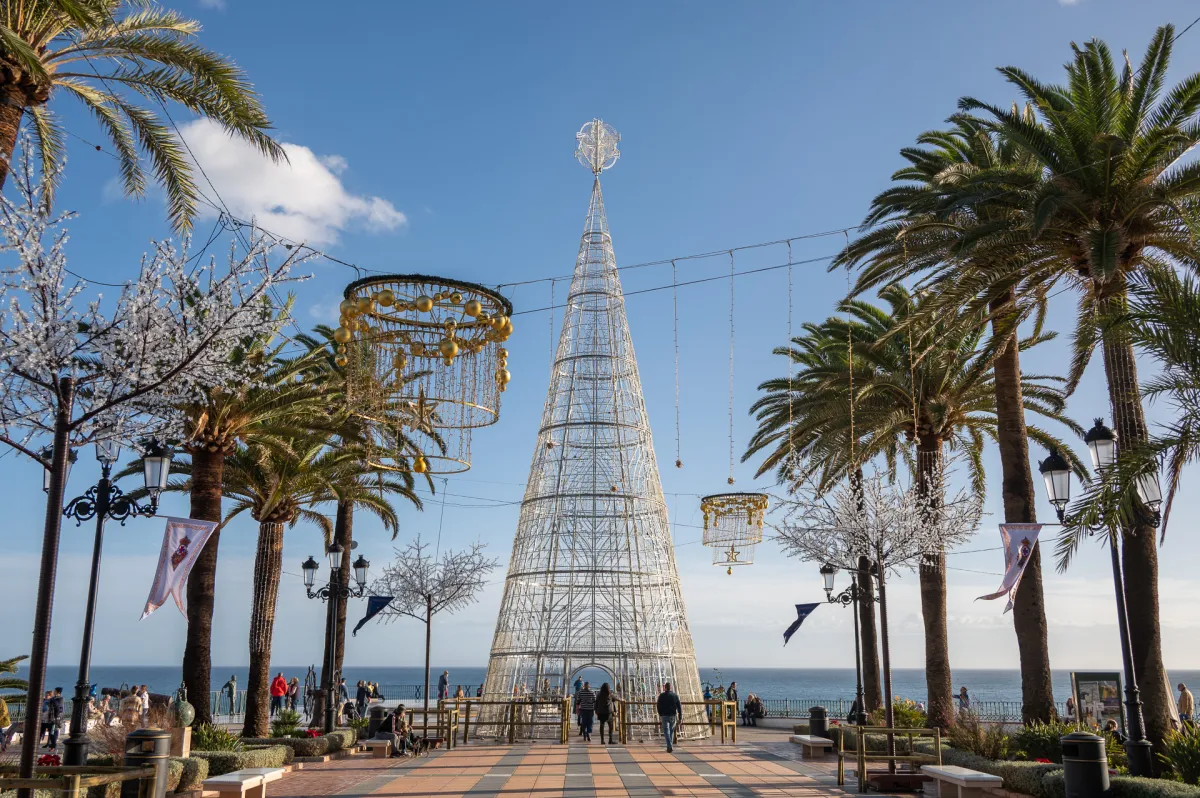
{"points": [[427, 356], [733, 524]]}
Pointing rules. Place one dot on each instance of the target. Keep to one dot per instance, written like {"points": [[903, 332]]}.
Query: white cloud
{"points": [[303, 199]]}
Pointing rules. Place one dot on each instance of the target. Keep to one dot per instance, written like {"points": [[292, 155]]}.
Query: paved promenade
{"points": [[765, 765]]}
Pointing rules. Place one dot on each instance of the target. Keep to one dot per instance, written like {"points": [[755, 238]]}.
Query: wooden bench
{"points": [[813, 747], [248, 783], [380, 749], [955, 782]]}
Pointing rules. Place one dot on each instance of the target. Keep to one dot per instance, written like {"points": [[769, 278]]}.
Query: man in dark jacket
{"points": [[670, 712]]}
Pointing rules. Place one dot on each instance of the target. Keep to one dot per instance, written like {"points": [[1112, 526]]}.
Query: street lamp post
{"points": [[334, 590], [1102, 444], [104, 501], [850, 596]]}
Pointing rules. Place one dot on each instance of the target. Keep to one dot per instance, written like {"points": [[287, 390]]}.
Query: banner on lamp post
{"points": [[182, 542], [1018, 540]]}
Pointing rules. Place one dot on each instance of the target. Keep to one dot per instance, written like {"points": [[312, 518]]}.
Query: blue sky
{"points": [[438, 138]]}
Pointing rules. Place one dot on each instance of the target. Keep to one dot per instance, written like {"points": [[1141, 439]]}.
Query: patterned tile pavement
{"points": [[769, 767]]}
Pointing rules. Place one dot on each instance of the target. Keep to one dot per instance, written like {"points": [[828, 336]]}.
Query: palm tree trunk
{"points": [[938, 680], [268, 564], [1019, 496], [343, 534], [12, 107], [428, 641], [1138, 545], [208, 468]]}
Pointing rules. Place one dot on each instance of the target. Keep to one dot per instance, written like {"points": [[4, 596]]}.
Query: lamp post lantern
{"points": [[333, 590], [104, 501], [1102, 445], [850, 596]]}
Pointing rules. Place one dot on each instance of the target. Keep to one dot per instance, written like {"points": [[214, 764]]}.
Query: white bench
{"points": [[380, 749], [955, 782], [248, 783], [812, 747]]}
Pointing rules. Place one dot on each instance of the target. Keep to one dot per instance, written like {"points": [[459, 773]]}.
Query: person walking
{"points": [[604, 711], [1187, 703], [47, 719], [278, 689], [130, 709], [60, 710], [145, 696], [444, 685], [708, 696], [361, 697], [670, 712], [732, 695], [587, 711]]}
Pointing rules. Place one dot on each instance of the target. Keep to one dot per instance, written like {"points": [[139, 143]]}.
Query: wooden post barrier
{"points": [[861, 756], [73, 781]]}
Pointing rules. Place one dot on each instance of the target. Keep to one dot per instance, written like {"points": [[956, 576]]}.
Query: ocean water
{"points": [[813, 683]]}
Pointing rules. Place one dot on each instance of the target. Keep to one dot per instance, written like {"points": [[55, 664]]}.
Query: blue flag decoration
{"points": [[802, 612], [374, 605]]}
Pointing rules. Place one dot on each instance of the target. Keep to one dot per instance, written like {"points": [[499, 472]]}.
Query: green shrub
{"points": [[286, 723], [195, 770], [1041, 740], [1181, 754], [986, 740], [207, 737], [1054, 785], [222, 762], [800, 728], [905, 715], [301, 746], [1131, 787], [360, 725], [342, 738]]}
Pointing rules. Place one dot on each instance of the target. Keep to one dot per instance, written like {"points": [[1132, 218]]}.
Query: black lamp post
{"points": [[104, 501], [334, 590], [1102, 444], [850, 596]]}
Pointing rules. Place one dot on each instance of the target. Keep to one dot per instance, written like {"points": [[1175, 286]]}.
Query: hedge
{"points": [[342, 738], [195, 771], [222, 762], [182, 774], [301, 746]]}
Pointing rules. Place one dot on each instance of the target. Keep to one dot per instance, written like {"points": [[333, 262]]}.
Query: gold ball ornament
{"points": [[418, 348], [386, 298], [348, 307], [456, 297], [473, 307], [503, 376], [730, 480], [342, 335], [366, 304], [449, 349], [341, 360], [729, 570], [419, 465], [424, 303], [399, 361], [483, 316]]}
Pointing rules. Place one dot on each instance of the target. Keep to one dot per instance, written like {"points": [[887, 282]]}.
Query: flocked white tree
{"points": [[896, 528], [77, 367], [423, 585]]}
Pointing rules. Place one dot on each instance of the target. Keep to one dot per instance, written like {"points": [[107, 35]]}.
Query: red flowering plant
{"points": [[49, 761], [313, 733]]}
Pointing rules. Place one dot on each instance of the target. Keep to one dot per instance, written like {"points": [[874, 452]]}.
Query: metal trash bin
{"points": [[818, 722], [1085, 766], [147, 747], [375, 715]]}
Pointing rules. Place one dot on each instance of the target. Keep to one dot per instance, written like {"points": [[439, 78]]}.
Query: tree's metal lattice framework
{"points": [[593, 582]]}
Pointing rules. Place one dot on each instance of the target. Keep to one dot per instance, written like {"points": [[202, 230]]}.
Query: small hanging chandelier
{"points": [[733, 524], [433, 365]]}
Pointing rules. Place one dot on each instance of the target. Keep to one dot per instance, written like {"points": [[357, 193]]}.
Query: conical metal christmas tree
{"points": [[593, 581]]}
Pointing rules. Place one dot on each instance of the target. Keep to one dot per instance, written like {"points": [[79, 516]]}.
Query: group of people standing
{"points": [[591, 706], [284, 693]]}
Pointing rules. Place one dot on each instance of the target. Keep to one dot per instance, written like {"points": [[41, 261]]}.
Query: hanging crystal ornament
{"points": [[733, 526], [435, 369]]}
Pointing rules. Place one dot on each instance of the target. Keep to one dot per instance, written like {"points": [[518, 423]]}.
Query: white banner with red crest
{"points": [[1019, 540], [182, 542]]}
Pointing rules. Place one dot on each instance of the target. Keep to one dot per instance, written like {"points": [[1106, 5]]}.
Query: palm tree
{"points": [[11, 683], [1112, 199], [929, 222], [102, 52], [916, 379], [283, 404], [344, 385]]}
